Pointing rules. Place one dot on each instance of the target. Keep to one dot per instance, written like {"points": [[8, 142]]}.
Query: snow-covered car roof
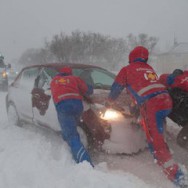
{"points": [[58, 66]]}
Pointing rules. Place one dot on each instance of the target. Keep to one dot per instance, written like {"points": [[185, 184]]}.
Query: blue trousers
{"points": [[69, 112]]}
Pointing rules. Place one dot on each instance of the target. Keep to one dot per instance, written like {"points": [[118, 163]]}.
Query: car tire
{"points": [[182, 137], [13, 116]]}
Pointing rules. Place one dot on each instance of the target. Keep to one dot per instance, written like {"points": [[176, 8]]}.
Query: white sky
{"points": [[26, 24]]}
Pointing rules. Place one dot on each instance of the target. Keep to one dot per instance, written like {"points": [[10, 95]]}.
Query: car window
{"points": [[50, 72], [27, 78], [86, 76], [103, 77], [98, 78], [78, 72], [44, 78]]}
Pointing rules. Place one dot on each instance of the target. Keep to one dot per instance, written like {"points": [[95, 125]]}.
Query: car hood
{"points": [[100, 96]]}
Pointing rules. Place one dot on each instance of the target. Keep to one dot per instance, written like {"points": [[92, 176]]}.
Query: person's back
{"points": [[139, 78], [67, 87], [67, 92], [142, 75]]}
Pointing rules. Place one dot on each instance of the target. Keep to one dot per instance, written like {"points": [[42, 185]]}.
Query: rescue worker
{"points": [[154, 103], [177, 85], [177, 79], [67, 92]]}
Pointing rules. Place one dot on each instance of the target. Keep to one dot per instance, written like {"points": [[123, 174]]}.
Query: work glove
{"points": [[115, 106], [134, 110], [108, 104], [88, 99]]}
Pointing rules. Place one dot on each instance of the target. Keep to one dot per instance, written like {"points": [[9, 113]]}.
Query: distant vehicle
{"points": [[11, 73], [29, 100], [4, 77]]}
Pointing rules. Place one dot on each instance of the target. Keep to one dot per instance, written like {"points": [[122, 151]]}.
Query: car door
{"points": [[21, 92], [43, 107]]}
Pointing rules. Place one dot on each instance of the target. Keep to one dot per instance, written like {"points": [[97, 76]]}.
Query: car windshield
{"points": [[98, 78]]}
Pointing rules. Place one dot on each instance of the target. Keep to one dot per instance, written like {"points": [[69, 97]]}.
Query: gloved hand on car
{"points": [[115, 106], [88, 99], [134, 110], [108, 104]]}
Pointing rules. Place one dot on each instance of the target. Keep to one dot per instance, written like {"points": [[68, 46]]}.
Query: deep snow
{"points": [[31, 157]]}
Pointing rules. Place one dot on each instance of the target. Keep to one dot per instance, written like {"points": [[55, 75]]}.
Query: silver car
{"points": [[29, 100]]}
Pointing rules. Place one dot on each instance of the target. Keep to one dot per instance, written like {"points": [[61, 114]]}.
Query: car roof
{"points": [[58, 66]]}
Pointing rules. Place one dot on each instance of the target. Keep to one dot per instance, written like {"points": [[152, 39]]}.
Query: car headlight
{"points": [[110, 114], [4, 74]]}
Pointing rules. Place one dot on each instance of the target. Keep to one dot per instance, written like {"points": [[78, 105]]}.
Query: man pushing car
{"points": [[67, 92], [154, 104]]}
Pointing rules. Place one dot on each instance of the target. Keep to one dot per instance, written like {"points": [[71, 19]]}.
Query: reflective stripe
{"points": [[168, 163], [147, 88], [80, 153], [68, 94], [80, 159]]}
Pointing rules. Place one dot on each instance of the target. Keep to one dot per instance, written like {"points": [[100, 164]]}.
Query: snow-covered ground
{"points": [[31, 157]]}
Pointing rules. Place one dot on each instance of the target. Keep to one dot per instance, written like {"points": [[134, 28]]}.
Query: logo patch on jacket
{"points": [[151, 76], [63, 81]]}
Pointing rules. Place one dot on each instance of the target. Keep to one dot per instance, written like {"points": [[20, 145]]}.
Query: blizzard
{"points": [[32, 157]]}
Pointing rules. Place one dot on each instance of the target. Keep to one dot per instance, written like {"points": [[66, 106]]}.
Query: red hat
{"points": [[66, 70], [139, 54]]}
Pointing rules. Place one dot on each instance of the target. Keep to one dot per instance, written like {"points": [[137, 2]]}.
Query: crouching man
{"points": [[67, 92]]}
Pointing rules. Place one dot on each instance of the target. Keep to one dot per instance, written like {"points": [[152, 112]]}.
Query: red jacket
{"points": [[140, 80], [163, 79], [67, 87], [181, 82]]}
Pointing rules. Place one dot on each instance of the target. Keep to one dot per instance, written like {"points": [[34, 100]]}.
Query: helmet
{"points": [[139, 54], [177, 72], [66, 70]]}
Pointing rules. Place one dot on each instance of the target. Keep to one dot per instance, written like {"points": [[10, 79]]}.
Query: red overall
{"points": [[155, 104]]}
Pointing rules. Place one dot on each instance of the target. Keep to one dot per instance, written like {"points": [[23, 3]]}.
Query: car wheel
{"points": [[13, 116], [182, 137]]}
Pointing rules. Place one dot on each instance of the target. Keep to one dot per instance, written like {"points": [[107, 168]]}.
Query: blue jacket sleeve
{"points": [[170, 79], [116, 89]]}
